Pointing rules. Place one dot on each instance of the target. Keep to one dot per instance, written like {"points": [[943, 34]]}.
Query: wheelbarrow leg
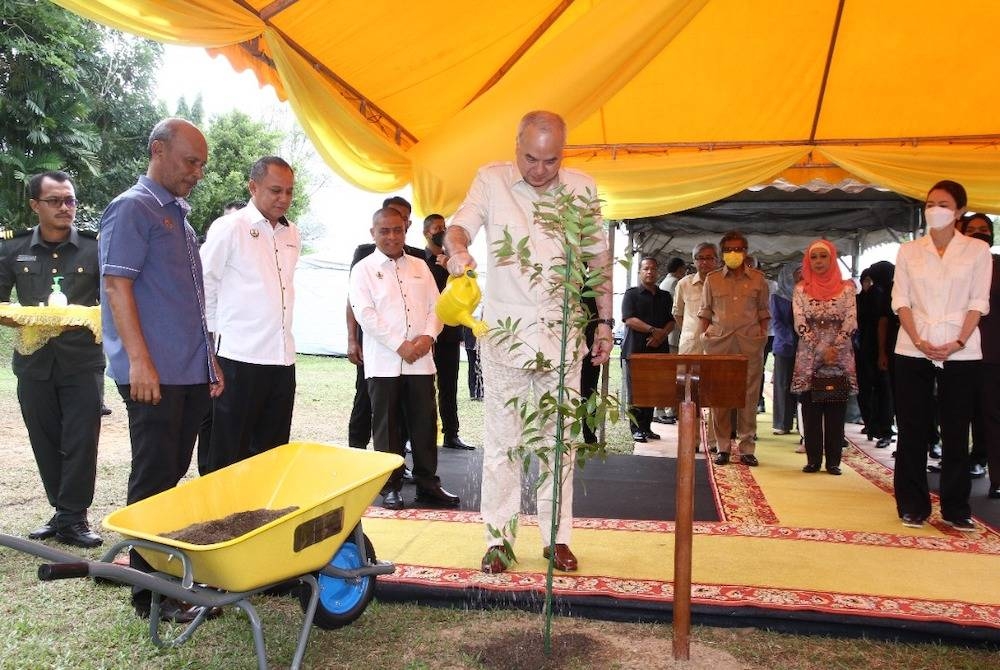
{"points": [[300, 650], [258, 632]]}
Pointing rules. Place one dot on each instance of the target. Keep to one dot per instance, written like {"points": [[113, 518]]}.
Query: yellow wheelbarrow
{"points": [[319, 544]]}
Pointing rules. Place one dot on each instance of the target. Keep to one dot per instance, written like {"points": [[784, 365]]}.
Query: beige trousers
{"points": [[501, 485]]}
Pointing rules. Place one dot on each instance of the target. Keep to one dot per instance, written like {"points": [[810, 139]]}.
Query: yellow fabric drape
{"points": [[344, 139], [573, 74], [912, 170], [621, 72], [205, 23], [682, 179]]}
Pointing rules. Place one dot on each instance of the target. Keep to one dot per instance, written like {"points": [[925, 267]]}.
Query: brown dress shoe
{"points": [[496, 560], [565, 560]]}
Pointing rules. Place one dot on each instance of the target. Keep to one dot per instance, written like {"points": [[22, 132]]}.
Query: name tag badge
{"points": [[25, 258]]}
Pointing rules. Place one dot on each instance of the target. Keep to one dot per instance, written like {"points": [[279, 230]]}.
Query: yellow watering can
{"points": [[458, 301]]}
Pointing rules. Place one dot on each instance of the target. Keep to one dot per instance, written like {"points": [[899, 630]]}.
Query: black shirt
{"points": [[448, 333], [655, 308], [28, 264]]}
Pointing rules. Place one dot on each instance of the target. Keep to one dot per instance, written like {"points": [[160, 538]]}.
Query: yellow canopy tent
{"points": [[671, 103]]}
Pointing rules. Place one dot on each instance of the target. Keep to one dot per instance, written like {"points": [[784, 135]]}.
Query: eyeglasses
{"points": [[727, 250], [59, 202], [704, 259]]}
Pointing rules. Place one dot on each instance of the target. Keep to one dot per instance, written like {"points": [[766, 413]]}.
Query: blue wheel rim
{"points": [[339, 596]]}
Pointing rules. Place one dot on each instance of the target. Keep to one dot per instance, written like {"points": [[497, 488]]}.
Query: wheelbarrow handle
{"points": [[49, 572]]}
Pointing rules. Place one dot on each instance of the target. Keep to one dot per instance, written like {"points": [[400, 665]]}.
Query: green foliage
{"points": [[73, 96]]}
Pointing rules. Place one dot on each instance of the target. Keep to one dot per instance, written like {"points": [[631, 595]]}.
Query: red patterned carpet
{"points": [[790, 551]]}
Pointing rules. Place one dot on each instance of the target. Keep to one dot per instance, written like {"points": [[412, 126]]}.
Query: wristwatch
{"points": [[610, 323]]}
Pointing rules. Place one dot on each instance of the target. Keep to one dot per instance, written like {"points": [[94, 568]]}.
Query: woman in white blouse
{"points": [[941, 289]]}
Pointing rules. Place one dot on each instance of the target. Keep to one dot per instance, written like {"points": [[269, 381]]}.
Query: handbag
{"points": [[830, 384]]}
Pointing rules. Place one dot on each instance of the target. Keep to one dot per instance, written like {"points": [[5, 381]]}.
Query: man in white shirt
{"points": [[688, 294], [248, 262], [676, 269], [392, 296], [501, 201]]}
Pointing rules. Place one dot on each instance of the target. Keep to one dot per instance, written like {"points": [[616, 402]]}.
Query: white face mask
{"points": [[939, 217]]}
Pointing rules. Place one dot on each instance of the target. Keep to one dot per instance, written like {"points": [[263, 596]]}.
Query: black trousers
{"points": [[590, 375], [406, 401], [253, 414], [874, 395], [162, 438], [63, 418], [824, 430], [475, 374], [641, 417], [957, 384], [359, 426], [986, 421], [446, 360]]}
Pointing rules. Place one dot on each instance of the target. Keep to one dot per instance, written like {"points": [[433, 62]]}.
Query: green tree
{"points": [[235, 142], [73, 96]]}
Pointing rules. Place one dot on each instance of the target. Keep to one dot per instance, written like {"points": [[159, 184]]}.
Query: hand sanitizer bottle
{"points": [[57, 298]]}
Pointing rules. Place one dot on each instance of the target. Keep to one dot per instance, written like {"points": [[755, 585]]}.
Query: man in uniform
{"points": [[734, 318], [59, 385]]}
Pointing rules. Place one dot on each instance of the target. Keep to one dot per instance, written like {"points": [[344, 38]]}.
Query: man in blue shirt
{"points": [[153, 313]]}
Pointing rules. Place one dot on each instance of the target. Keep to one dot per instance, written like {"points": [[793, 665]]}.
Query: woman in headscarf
{"points": [[783, 348], [825, 320], [941, 289]]}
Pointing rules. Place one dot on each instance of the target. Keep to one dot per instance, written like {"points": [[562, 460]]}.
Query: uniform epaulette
{"points": [[7, 234]]}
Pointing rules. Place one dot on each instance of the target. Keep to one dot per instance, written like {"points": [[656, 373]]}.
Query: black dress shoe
{"points": [[810, 467], [749, 459], [883, 442], [105, 410], [834, 469], [721, 458], [994, 491], [79, 535], [436, 496], [669, 420], [977, 471], [933, 467], [913, 520], [45, 531], [638, 436], [650, 435], [392, 500], [455, 442]]}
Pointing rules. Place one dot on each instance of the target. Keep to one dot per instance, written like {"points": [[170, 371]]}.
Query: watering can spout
{"points": [[458, 301]]}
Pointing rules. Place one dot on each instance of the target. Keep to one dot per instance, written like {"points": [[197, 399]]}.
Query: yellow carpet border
{"points": [[745, 511]]}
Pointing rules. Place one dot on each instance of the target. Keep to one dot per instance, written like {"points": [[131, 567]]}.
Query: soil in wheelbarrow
{"points": [[227, 528]]}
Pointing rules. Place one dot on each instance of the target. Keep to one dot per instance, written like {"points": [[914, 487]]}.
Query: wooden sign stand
{"points": [[702, 381]]}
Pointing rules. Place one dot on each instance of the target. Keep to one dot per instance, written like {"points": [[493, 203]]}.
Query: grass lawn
{"points": [[77, 624]]}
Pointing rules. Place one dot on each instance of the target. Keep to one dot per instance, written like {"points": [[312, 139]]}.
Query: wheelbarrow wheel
{"points": [[341, 601]]}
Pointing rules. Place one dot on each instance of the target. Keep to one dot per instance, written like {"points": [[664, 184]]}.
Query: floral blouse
{"points": [[820, 325]]}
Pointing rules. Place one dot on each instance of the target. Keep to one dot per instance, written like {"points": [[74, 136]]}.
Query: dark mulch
{"points": [[228, 528], [525, 650]]}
